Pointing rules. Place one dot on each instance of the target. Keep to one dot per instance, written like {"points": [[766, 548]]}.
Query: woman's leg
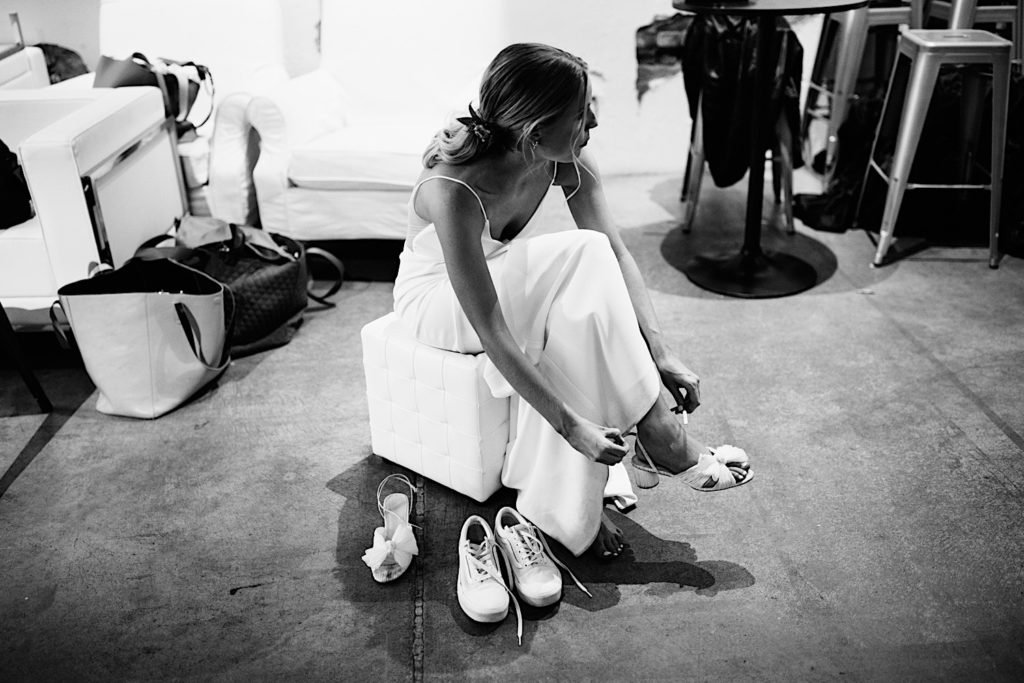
{"points": [[568, 308], [670, 446]]}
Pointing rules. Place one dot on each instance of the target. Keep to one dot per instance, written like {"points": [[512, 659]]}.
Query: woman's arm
{"points": [[590, 211], [458, 220]]}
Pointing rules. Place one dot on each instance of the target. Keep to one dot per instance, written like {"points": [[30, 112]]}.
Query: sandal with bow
{"points": [[714, 471], [394, 544]]}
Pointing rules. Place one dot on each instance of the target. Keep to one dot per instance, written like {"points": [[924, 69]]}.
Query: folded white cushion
{"points": [[362, 157]]}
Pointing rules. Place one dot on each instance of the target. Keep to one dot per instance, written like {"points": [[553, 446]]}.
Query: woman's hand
{"points": [[681, 382], [600, 444]]}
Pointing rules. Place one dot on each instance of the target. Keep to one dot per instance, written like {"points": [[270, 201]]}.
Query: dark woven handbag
{"points": [[270, 286]]}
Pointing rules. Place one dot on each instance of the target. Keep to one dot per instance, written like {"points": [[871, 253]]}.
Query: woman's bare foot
{"points": [[609, 542]]}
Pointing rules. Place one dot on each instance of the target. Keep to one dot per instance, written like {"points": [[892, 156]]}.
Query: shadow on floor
{"points": [[666, 566], [66, 384]]}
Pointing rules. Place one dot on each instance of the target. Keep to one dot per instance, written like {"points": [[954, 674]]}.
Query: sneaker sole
{"points": [[483, 617], [541, 602]]}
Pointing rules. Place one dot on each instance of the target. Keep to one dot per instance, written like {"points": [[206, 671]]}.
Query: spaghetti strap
{"points": [[454, 180]]}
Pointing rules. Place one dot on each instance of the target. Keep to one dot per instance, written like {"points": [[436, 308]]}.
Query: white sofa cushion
{"points": [[361, 157]]}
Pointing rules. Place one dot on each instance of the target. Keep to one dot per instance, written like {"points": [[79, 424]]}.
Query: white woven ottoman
{"points": [[431, 411]]}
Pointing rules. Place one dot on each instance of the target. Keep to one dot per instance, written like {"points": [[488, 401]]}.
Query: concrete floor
{"points": [[880, 540]]}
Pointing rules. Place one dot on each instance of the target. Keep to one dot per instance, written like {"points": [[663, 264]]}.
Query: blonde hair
{"points": [[526, 86]]}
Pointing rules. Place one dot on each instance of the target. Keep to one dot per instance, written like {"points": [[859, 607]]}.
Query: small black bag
{"points": [[178, 81], [15, 202]]}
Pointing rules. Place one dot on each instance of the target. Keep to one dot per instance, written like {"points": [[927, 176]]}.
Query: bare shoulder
{"points": [[446, 201]]}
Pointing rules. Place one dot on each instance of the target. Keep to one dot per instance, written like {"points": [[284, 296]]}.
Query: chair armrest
{"points": [[234, 149], [303, 109], [233, 153]]}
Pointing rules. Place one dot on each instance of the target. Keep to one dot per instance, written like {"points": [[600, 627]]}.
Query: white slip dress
{"points": [[565, 302]]}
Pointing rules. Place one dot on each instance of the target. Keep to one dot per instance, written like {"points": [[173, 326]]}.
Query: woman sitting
{"points": [[564, 317]]}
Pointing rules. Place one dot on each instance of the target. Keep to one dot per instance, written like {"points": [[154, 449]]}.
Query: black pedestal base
{"points": [[752, 275]]}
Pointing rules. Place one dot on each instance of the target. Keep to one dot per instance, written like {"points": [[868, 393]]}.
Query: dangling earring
{"points": [[533, 144]]}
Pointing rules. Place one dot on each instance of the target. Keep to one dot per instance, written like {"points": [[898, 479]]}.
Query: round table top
{"points": [[761, 7]]}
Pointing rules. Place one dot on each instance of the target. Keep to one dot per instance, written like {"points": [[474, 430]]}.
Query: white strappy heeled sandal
{"points": [[394, 544]]}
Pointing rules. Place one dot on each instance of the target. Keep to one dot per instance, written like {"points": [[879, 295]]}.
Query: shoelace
{"points": [[482, 566], [530, 545]]}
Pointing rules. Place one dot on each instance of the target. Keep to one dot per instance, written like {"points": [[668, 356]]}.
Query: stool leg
{"points": [[1000, 103], [852, 38], [923, 72], [782, 171], [971, 100], [683, 194], [884, 129], [917, 13], [696, 166], [816, 83]]}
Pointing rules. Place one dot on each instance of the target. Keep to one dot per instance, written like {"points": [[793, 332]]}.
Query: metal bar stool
{"points": [[927, 51], [843, 39]]}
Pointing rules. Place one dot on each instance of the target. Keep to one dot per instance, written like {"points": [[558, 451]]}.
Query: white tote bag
{"points": [[151, 334]]}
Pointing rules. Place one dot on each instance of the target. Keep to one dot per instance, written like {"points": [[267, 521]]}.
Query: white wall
{"points": [[633, 137], [74, 24]]}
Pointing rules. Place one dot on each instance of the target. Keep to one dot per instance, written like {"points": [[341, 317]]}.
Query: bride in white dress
{"points": [[564, 317]]}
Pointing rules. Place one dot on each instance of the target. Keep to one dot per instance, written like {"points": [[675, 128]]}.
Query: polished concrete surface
{"points": [[880, 540]]}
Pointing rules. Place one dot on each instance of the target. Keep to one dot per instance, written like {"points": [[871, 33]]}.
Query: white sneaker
{"points": [[536, 578], [483, 595]]}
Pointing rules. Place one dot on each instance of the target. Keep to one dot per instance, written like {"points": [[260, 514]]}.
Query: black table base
{"points": [[753, 272], [752, 275]]}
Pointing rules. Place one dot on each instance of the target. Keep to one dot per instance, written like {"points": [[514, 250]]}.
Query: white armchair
{"points": [[341, 146], [103, 177]]}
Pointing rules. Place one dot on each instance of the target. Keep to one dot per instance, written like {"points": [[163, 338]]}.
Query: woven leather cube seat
{"points": [[431, 410]]}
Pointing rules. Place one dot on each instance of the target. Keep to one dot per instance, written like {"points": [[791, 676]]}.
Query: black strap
{"points": [[339, 269], [195, 339], [66, 342]]}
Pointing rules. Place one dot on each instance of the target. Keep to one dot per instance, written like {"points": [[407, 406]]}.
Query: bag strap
{"points": [[195, 339], [259, 242], [339, 277], [204, 78], [66, 341]]}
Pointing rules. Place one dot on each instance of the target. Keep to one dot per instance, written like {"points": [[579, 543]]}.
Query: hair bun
{"points": [[480, 127]]}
